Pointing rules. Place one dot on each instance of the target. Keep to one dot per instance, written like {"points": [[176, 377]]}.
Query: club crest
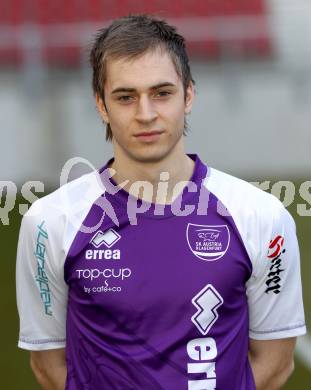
{"points": [[208, 242]]}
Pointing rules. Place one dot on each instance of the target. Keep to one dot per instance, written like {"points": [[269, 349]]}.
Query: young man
{"points": [[163, 274]]}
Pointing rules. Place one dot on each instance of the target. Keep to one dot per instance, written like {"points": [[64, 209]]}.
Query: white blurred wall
{"points": [[249, 119]]}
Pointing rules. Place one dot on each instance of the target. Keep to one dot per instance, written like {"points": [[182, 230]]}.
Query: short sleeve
{"points": [[274, 290], [40, 287]]}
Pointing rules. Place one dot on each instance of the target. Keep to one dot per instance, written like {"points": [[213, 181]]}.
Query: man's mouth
{"points": [[149, 136]]}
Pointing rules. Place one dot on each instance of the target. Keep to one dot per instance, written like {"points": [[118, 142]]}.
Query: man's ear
{"points": [[101, 108], [189, 98]]}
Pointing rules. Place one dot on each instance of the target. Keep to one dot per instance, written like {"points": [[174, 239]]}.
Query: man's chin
{"points": [[150, 153], [148, 156]]}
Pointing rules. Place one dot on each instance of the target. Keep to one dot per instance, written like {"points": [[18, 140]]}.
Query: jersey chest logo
{"points": [[208, 242]]}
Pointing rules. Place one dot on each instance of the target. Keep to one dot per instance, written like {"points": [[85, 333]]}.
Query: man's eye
{"points": [[124, 98], [163, 93]]}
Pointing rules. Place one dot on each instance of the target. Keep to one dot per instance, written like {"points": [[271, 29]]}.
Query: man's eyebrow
{"points": [[154, 87]]}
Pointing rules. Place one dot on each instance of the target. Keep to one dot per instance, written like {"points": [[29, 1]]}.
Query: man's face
{"points": [[146, 105]]}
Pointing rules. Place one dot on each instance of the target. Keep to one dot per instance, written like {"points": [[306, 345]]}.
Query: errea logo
{"points": [[108, 238]]}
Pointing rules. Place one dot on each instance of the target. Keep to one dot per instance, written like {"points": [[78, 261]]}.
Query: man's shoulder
{"points": [[241, 194], [69, 199], [244, 201], [256, 213]]}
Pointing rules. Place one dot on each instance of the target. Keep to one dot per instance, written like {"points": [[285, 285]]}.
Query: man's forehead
{"points": [[145, 71]]}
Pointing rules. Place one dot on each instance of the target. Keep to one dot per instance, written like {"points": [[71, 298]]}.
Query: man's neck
{"points": [[127, 171]]}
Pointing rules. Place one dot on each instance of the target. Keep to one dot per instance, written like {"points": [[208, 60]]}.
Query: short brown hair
{"points": [[130, 37]]}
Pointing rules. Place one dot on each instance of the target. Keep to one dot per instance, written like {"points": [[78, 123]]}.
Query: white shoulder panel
{"points": [[269, 235], [250, 208], [46, 234]]}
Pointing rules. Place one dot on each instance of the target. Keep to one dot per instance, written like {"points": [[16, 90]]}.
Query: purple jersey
{"points": [[150, 296]]}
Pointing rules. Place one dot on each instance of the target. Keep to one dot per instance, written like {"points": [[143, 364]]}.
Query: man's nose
{"points": [[146, 111]]}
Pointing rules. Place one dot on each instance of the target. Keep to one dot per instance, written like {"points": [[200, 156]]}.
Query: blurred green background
{"points": [[14, 362]]}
